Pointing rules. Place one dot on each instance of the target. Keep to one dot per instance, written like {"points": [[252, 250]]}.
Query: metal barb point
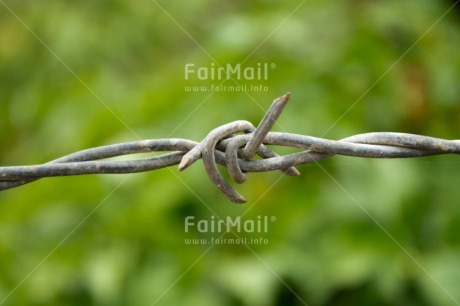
{"points": [[265, 125]]}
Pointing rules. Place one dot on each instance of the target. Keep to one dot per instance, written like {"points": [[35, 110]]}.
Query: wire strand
{"points": [[226, 147]]}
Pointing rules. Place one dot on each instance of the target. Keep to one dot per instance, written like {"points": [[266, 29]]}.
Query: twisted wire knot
{"points": [[252, 144]]}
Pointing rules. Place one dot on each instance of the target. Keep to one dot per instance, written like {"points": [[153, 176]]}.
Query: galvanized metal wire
{"points": [[227, 147]]}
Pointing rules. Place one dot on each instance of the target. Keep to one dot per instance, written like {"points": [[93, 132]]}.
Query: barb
{"points": [[234, 151]]}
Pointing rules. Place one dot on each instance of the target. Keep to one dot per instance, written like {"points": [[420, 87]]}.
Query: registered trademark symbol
{"points": [[272, 218], [272, 66]]}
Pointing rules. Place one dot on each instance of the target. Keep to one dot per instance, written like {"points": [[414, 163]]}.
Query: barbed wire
{"points": [[226, 147]]}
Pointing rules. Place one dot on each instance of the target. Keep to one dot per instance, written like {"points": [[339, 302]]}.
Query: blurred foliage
{"points": [[67, 67]]}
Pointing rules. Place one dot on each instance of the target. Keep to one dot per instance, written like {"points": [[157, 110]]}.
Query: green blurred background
{"points": [[348, 232]]}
